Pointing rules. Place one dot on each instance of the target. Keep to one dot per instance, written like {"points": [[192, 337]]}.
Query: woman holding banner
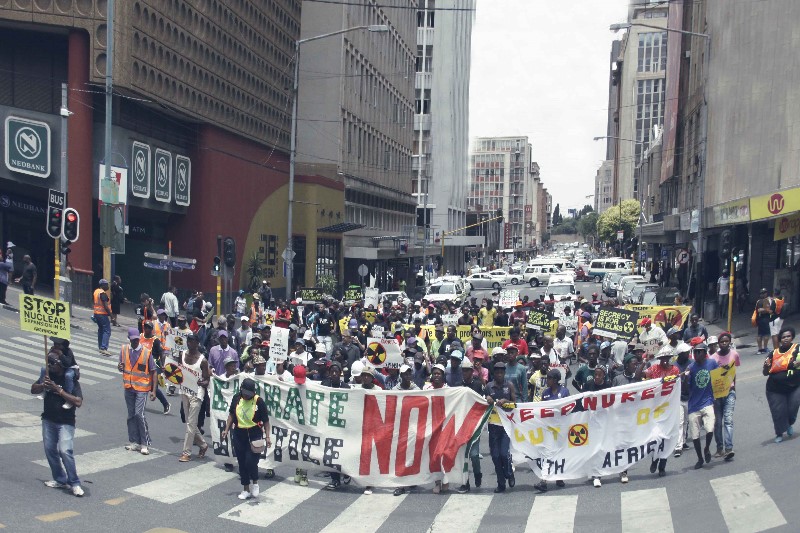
{"points": [[783, 392], [247, 416]]}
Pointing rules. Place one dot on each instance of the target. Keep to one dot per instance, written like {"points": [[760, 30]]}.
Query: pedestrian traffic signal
{"points": [[229, 251], [65, 249], [70, 229], [217, 262], [54, 221]]}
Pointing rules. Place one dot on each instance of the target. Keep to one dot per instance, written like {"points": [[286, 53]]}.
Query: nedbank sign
{"points": [[27, 146]]}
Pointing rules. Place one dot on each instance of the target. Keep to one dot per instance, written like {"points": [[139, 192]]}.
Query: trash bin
{"points": [[710, 311]]}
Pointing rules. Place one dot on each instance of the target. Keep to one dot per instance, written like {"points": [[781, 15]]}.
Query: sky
{"points": [[540, 68]]}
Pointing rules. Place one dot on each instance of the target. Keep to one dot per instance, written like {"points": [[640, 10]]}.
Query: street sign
{"points": [[643, 255], [54, 223], [163, 176], [363, 270], [188, 260], [172, 264], [115, 190], [183, 180], [664, 253], [140, 184], [56, 199], [155, 266], [288, 255], [620, 235], [28, 146], [683, 257]]}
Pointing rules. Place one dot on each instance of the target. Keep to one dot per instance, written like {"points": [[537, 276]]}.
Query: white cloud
{"points": [[540, 68]]}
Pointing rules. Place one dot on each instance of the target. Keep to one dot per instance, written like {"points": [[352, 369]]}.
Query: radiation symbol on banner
{"points": [[578, 435], [173, 373], [376, 353], [628, 327]]}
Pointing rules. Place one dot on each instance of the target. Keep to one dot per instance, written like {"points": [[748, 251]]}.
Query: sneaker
{"points": [[662, 473], [560, 483], [707, 455], [678, 452], [463, 489], [297, 475], [720, 453], [499, 489], [333, 485], [512, 481], [132, 447], [597, 483], [66, 405], [254, 490], [623, 477], [478, 478], [437, 487], [228, 467], [144, 451], [541, 486], [729, 455], [77, 491], [56, 485], [245, 494], [399, 491], [304, 480], [790, 431], [368, 491], [699, 464], [269, 474], [167, 409], [184, 458], [685, 446]]}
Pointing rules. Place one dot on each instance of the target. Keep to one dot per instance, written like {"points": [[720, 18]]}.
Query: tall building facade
{"points": [[604, 186], [504, 180], [200, 124], [441, 121], [355, 126], [642, 89]]}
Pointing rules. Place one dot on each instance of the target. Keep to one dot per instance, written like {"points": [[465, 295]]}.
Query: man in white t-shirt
{"points": [[723, 289], [653, 337], [563, 344]]}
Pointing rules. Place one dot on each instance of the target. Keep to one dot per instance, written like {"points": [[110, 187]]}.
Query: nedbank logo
{"points": [[27, 146]]}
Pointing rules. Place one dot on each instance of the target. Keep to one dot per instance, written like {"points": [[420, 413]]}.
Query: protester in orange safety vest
{"points": [[139, 380], [153, 344], [102, 316]]}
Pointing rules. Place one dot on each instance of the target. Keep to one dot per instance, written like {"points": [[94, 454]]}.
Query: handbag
{"points": [[257, 446]]}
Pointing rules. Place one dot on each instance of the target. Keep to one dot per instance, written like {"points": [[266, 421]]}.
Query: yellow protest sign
{"points": [[38, 314], [663, 316], [370, 316], [721, 380]]}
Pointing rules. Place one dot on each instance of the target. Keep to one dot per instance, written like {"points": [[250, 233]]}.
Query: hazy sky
{"points": [[540, 68]]}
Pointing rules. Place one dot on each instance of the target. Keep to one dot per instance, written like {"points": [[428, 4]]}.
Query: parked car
{"points": [[504, 277], [639, 290], [482, 281], [539, 274], [627, 289], [627, 279], [611, 283], [600, 267]]}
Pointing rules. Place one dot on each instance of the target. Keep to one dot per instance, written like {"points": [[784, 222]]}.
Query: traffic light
{"points": [[65, 249], [725, 244], [217, 262], [229, 251], [54, 221], [70, 229]]}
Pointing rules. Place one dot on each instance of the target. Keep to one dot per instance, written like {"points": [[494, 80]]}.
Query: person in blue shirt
{"points": [[701, 402]]}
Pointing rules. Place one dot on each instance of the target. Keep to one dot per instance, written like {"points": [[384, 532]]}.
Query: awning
{"points": [[342, 227]]}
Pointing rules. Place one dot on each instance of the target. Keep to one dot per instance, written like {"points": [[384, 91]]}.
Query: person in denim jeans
{"points": [[499, 393], [723, 407], [58, 425]]}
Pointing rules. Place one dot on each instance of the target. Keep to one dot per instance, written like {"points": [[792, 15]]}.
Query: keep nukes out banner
{"points": [[598, 433], [379, 438]]}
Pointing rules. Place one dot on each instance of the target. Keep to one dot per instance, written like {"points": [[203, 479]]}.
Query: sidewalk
{"points": [[744, 333]]}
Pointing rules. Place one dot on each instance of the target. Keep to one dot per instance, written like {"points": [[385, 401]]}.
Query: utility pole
{"points": [[62, 187], [109, 102], [421, 155]]}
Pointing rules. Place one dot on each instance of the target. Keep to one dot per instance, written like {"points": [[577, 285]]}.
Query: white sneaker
{"points": [[144, 450], [368, 491], [132, 447], [56, 485], [77, 491], [623, 478], [254, 490], [244, 495], [596, 482]]}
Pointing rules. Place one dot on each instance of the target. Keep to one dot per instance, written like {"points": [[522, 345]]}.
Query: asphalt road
{"points": [[754, 492]]}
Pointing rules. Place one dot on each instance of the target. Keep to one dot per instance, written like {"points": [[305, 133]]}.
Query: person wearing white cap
{"points": [[713, 345], [244, 332], [406, 383]]}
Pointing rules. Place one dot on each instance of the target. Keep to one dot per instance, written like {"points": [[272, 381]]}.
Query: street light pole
{"points": [[289, 258]]}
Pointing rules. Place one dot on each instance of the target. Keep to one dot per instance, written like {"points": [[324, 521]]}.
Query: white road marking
{"points": [[272, 504], [102, 460], [377, 506], [462, 513], [552, 514], [654, 517], [28, 435], [182, 485], [745, 504]]}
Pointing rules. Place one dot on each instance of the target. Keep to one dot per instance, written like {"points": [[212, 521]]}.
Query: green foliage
{"points": [[609, 222], [568, 227], [585, 210], [255, 272], [557, 218], [327, 283], [587, 225]]}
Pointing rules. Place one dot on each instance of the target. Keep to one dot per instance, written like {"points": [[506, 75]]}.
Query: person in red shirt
{"points": [[664, 367], [522, 346], [283, 316]]}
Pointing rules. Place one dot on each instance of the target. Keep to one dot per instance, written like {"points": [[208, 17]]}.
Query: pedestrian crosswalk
{"points": [[22, 357]]}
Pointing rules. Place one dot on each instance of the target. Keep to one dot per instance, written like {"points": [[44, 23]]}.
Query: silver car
{"points": [[482, 281]]}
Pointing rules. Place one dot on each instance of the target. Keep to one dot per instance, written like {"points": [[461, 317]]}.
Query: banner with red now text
{"points": [[595, 433], [378, 438]]}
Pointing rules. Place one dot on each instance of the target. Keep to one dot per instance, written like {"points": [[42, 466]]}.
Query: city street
{"points": [[127, 492]]}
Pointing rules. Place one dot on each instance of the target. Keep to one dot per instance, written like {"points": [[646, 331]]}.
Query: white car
{"points": [[446, 292], [394, 296], [504, 277], [539, 274], [482, 281]]}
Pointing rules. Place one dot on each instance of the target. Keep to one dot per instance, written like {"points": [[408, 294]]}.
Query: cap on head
{"points": [[498, 350], [133, 333], [247, 388], [683, 348], [244, 319], [457, 354], [356, 369], [645, 322], [103, 282], [439, 367], [712, 340], [466, 363], [299, 373], [665, 352], [404, 369], [222, 333], [499, 366], [161, 312], [554, 374]]}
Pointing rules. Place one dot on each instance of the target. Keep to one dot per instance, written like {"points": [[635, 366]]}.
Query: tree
{"points": [[585, 210], [557, 215], [587, 225], [609, 222], [568, 227]]}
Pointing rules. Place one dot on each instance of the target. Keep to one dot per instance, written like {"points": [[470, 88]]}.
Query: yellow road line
{"points": [[55, 517], [117, 501]]}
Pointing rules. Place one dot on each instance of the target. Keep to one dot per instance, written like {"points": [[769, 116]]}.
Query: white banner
{"points": [[596, 434], [450, 320], [279, 344], [508, 298], [382, 352], [379, 438], [181, 376], [176, 341], [371, 297]]}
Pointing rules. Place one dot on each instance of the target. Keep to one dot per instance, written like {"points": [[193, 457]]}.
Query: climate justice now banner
{"points": [[378, 438], [596, 433]]}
